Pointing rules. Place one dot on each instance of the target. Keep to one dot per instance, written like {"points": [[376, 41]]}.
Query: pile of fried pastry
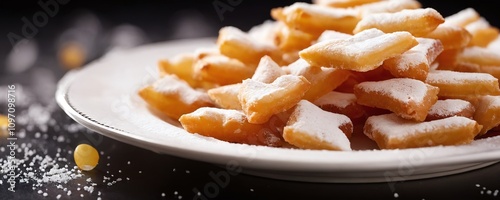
{"points": [[407, 75]]}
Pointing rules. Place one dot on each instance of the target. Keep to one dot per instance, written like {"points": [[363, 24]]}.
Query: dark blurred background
{"points": [[76, 32], [107, 24]]}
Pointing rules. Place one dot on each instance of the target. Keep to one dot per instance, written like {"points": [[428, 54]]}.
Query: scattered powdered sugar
{"points": [[486, 191], [449, 107], [171, 84], [453, 77], [339, 99], [320, 124], [402, 89], [392, 126]]}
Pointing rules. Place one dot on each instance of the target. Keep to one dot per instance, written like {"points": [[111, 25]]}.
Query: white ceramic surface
{"points": [[103, 97]]}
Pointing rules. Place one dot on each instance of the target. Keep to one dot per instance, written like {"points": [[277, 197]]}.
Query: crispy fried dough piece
{"points": [[408, 98], [362, 52], [392, 132], [234, 43], [344, 3], [173, 96], [309, 127], [226, 96], [222, 70], [267, 71], [389, 6], [487, 112], [449, 108], [418, 22], [451, 36], [415, 63], [322, 79], [260, 101], [461, 85], [315, 19], [482, 32], [230, 126], [463, 17]]}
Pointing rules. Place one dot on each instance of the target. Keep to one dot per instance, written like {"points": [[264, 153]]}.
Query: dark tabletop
{"points": [[46, 136]]}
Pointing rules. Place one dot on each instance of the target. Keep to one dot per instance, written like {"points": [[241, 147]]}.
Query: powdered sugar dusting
{"points": [[393, 126], [398, 17], [332, 35], [253, 90], [402, 89], [387, 6], [320, 10], [230, 33], [453, 77], [449, 107], [267, 71], [227, 115], [171, 84], [321, 124], [339, 99]]}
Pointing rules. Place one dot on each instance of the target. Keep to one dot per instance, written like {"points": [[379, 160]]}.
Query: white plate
{"points": [[103, 97]]}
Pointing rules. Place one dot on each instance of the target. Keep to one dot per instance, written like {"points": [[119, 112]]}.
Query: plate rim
{"points": [[64, 86]]}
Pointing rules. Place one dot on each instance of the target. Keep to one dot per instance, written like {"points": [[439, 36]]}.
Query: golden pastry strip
{"points": [[222, 70], [460, 85], [482, 32], [315, 19], [487, 112], [451, 36], [230, 126], [480, 56], [390, 6], [173, 96], [415, 63], [449, 108], [361, 52], [234, 43], [226, 96], [343, 3], [392, 132], [408, 98], [418, 22], [463, 17]]}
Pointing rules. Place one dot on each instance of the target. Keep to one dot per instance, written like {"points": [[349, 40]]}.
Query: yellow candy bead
{"points": [[86, 157], [4, 122]]}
